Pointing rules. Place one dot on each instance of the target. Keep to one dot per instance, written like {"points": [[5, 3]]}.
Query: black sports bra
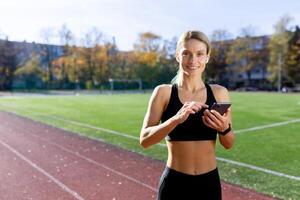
{"points": [[193, 129]]}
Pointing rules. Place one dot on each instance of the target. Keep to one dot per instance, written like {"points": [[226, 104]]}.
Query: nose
{"points": [[191, 59]]}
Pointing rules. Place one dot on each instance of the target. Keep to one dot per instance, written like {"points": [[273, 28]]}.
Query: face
{"points": [[192, 57]]}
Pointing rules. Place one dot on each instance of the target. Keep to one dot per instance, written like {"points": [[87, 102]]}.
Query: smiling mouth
{"points": [[192, 67]]}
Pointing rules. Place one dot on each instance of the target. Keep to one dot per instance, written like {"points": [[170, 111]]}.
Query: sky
{"points": [[125, 19]]}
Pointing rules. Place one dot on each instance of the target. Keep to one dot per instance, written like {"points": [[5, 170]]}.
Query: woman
{"points": [[189, 127]]}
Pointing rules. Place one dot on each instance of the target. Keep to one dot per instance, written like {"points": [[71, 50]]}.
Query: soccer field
{"points": [[265, 156]]}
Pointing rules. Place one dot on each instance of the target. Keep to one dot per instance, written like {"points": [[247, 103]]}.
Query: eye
{"points": [[200, 54], [185, 53]]}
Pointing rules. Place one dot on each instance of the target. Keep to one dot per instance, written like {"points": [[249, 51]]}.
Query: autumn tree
{"points": [[146, 51], [73, 65], [216, 68], [167, 65], [31, 72], [242, 55], [122, 63], [278, 47], [293, 57], [91, 41], [102, 58], [47, 35], [99, 55], [7, 64], [67, 39]]}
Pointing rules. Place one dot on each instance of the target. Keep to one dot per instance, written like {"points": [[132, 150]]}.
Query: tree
{"points": [[242, 54], [148, 42], [123, 62], [293, 57], [167, 63], [220, 35], [47, 34], [67, 39], [31, 72], [74, 66], [147, 53], [66, 35], [216, 68], [7, 64], [91, 40], [101, 63], [278, 47]]}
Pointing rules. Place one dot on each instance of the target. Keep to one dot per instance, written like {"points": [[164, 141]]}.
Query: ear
{"points": [[207, 59], [177, 57]]}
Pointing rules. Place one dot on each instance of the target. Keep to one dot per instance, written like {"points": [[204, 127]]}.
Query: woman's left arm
{"points": [[221, 123]]}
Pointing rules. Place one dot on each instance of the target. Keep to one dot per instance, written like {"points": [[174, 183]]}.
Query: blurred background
{"points": [[130, 45]]}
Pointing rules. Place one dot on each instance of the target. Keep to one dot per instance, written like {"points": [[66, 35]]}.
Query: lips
{"points": [[192, 67]]}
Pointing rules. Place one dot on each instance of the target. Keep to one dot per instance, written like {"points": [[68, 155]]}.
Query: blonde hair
{"points": [[198, 35]]}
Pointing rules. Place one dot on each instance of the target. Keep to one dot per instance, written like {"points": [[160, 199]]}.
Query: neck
{"points": [[191, 83]]}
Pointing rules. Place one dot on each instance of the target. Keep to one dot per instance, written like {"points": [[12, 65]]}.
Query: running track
{"points": [[41, 162]]}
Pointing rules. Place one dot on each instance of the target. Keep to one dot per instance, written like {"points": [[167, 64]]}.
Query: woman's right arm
{"points": [[152, 132]]}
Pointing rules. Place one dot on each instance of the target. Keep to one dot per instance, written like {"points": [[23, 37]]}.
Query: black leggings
{"points": [[176, 185]]}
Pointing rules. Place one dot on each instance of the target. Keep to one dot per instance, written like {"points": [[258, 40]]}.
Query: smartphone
{"points": [[221, 107]]}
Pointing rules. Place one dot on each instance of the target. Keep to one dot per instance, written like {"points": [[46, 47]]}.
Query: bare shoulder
{"points": [[218, 88], [220, 92], [163, 90], [161, 95]]}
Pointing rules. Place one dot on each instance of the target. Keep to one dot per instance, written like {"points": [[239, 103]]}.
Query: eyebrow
{"points": [[200, 51]]}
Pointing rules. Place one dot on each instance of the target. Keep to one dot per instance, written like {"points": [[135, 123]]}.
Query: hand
{"points": [[215, 120], [189, 108]]}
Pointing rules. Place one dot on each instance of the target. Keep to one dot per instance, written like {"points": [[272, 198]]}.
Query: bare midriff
{"points": [[192, 157]]}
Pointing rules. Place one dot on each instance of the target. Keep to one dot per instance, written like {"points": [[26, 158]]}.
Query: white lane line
{"points": [[238, 164], [218, 158], [238, 132], [100, 129], [95, 128], [266, 126], [296, 178], [60, 184], [97, 163], [82, 125]]}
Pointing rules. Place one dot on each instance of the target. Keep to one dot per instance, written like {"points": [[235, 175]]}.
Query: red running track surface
{"points": [[41, 162]]}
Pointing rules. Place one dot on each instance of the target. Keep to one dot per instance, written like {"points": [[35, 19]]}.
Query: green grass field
{"points": [[273, 148]]}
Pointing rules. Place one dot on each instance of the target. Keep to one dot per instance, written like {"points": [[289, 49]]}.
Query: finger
{"points": [[217, 115], [204, 119], [186, 104], [190, 111], [210, 114], [213, 118], [194, 103], [194, 107], [210, 122], [227, 112], [201, 105]]}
